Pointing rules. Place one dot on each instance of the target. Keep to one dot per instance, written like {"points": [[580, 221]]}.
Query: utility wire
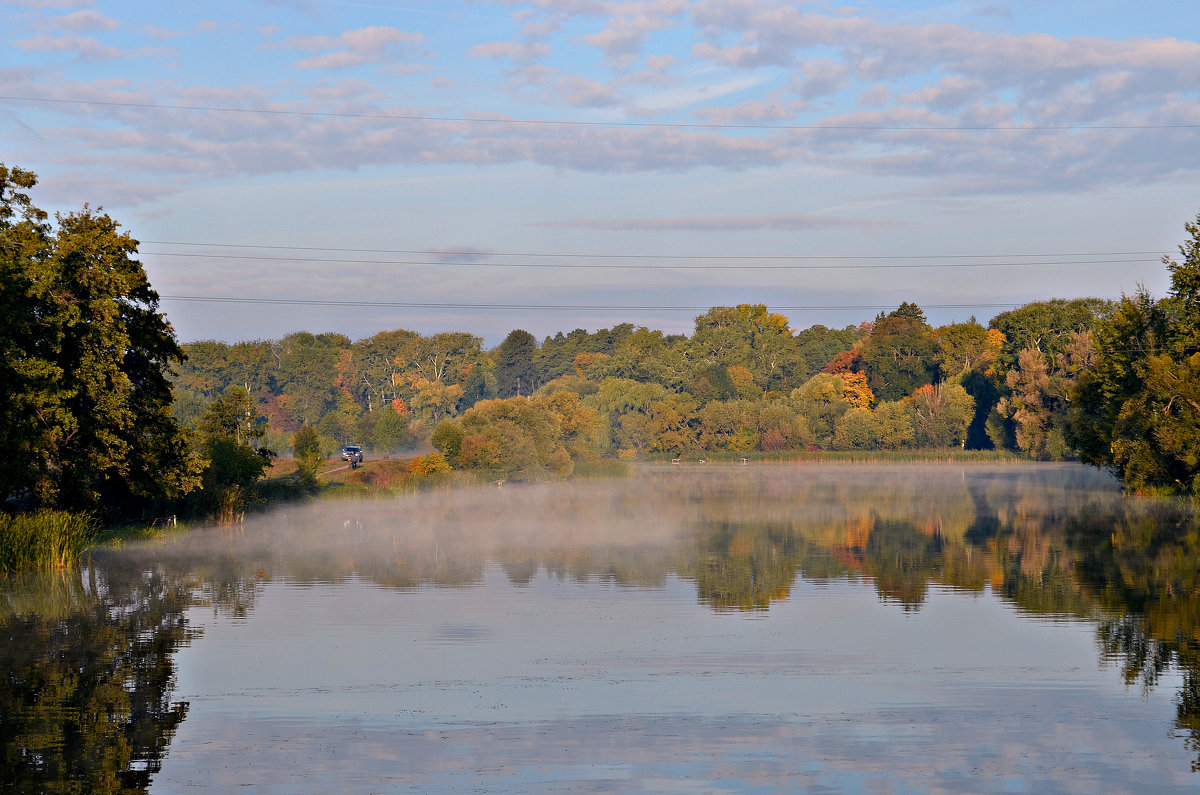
{"points": [[578, 123], [587, 266], [545, 307], [578, 255]]}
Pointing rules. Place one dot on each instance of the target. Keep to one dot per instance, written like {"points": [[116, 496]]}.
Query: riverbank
{"points": [[47, 540]]}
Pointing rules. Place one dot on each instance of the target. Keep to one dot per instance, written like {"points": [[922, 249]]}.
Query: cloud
{"points": [[760, 63], [753, 111], [629, 27], [373, 45], [84, 48], [522, 52], [160, 34], [85, 21], [52, 3], [741, 223]]}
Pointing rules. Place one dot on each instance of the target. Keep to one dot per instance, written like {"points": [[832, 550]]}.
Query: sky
{"points": [[335, 165]]}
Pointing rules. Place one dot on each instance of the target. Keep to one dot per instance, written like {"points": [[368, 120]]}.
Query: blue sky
{"points": [[403, 164]]}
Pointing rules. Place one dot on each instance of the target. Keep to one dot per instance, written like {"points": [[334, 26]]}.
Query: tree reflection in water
{"points": [[88, 659], [88, 672]]}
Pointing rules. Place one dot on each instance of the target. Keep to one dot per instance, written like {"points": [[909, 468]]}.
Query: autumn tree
{"points": [[373, 370], [963, 347], [819, 345]]}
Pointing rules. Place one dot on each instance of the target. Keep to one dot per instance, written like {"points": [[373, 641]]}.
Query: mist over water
{"points": [[716, 628], [447, 536]]}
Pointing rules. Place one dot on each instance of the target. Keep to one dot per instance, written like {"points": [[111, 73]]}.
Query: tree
{"points": [[1137, 409], [308, 373], [899, 355], [231, 428], [306, 448], [84, 357], [1046, 325], [818, 345], [942, 415], [963, 347], [515, 373], [373, 369], [822, 402]]}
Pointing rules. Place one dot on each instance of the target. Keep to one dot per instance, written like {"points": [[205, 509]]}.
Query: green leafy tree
{"points": [[942, 414], [308, 373], [390, 431], [515, 372], [447, 439], [1137, 409], [374, 368], [821, 401], [819, 345], [1046, 326], [894, 421], [900, 355], [230, 428], [857, 429], [306, 448], [512, 438], [963, 347], [84, 356]]}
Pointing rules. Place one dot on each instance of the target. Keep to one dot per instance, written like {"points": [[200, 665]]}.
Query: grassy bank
{"points": [[44, 540]]}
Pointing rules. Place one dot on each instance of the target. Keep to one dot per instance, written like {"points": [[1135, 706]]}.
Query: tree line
{"points": [[107, 412]]}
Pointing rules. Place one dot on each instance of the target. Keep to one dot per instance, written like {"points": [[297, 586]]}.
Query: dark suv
{"points": [[352, 453]]}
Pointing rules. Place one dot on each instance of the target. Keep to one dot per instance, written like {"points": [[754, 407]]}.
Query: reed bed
{"points": [[43, 540]]}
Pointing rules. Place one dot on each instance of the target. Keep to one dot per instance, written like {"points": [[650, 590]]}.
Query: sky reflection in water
{"points": [[858, 628]]}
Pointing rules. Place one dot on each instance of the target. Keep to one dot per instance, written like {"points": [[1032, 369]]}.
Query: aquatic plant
{"points": [[43, 540]]}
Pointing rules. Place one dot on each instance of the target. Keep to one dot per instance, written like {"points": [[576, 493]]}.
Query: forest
{"points": [[1112, 383], [106, 414], [743, 382]]}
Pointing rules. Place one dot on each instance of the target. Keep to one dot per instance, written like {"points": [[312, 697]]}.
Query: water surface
{"points": [[853, 628]]}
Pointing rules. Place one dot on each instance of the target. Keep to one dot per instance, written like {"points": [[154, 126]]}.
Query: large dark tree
{"points": [[515, 371], [84, 354], [900, 355], [1137, 410]]}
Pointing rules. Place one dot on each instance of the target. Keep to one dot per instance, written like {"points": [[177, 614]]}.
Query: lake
{"points": [[695, 628]]}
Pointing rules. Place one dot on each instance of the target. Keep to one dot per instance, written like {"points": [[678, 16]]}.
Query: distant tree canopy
{"points": [[1039, 380], [86, 421]]}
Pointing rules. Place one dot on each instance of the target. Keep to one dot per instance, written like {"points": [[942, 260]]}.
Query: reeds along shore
{"points": [[43, 540]]}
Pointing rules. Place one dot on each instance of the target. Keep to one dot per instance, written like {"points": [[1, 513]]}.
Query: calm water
{"points": [[858, 628]]}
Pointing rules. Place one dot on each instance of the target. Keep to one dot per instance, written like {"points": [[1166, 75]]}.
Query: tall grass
{"points": [[43, 540]]}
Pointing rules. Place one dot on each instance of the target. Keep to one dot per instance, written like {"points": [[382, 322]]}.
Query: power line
{"points": [[579, 255], [546, 307], [581, 123], [586, 266]]}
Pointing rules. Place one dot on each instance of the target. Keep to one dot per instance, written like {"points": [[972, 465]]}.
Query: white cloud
{"points": [[522, 52], [373, 45], [85, 21], [84, 48]]}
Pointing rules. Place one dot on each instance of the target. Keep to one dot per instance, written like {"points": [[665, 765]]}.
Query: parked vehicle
{"points": [[354, 454]]}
